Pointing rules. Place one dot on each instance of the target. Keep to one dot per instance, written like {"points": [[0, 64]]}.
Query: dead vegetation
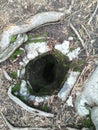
{"points": [[82, 25]]}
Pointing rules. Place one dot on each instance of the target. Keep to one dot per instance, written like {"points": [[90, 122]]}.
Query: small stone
{"points": [[93, 41], [21, 63], [63, 48], [11, 1], [39, 99], [36, 104], [69, 128], [70, 38], [46, 98], [31, 97], [23, 88], [18, 73], [33, 50], [69, 101], [16, 93], [21, 73], [25, 60], [74, 54], [96, 62], [32, 55], [43, 47], [85, 129]]}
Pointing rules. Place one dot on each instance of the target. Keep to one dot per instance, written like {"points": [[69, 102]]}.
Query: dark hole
{"points": [[46, 73], [49, 72]]}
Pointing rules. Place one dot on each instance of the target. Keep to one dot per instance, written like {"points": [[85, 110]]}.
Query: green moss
{"points": [[88, 123], [22, 98], [13, 75], [80, 62], [62, 65], [37, 35], [45, 108], [72, 65], [13, 38], [29, 89], [76, 66], [71, 49], [45, 34], [40, 86], [16, 53], [64, 59], [30, 37], [43, 91], [16, 88], [37, 38]]}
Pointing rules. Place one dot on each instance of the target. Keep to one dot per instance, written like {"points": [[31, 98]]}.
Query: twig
{"points": [[69, 128], [79, 37], [91, 18], [81, 81], [70, 7], [6, 75], [20, 128], [85, 30]]}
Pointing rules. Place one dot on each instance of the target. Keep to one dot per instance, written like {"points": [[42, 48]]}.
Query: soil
{"points": [[81, 17]]}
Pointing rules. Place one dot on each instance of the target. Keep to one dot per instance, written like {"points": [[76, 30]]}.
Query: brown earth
{"points": [[81, 17]]}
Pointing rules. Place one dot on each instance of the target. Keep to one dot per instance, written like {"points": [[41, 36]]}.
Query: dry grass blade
{"points": [[79, 37], [91, 18], [83, 77], [19, 128], [86, 31], [52, 98], [84, 27]]}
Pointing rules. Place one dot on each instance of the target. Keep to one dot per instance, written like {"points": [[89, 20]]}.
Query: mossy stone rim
{"points": [[47, 73]]}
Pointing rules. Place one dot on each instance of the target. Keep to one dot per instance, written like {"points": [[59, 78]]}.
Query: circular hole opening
{"points": [[47, 73]]}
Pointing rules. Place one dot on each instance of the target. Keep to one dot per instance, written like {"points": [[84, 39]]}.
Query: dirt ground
{"points": [[82, 19]]}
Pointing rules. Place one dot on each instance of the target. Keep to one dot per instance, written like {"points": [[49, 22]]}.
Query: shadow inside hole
{"points": [[47, 73]]}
